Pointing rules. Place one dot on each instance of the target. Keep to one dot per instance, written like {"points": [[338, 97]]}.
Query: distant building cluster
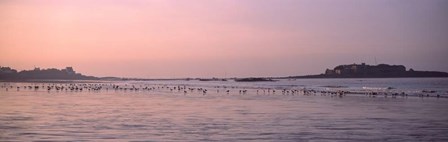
{"points": [[69, 71]]}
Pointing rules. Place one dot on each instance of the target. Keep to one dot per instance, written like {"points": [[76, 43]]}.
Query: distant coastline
{"points": [[7, 73], [340, 71], [373, 71]]}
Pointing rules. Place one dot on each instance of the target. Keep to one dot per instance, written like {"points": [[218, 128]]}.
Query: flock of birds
{"points": [[97, 87]]}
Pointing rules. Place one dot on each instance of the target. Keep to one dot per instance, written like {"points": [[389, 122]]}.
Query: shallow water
{"points": [[411, 86], [28, 115]]}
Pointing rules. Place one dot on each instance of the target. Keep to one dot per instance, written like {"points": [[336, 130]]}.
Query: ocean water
{"points": [[163, 113]]}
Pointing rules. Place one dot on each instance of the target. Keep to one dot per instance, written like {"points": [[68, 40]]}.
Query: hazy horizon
{"points": [[222, 38]]}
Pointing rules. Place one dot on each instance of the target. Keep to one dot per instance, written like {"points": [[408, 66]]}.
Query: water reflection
{"points": [[164, 116]]}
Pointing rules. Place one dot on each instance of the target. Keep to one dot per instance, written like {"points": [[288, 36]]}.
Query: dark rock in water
{"points": [[335, 86], [212, 79], [428, 91], [390, 88], [253, 79]]}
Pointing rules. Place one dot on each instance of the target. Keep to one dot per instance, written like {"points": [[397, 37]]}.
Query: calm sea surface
{"points": [[165, 113]]}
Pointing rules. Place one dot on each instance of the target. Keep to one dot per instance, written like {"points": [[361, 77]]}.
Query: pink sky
{"points": [[206, 38]]}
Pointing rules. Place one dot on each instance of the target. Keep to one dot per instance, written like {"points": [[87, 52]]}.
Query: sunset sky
{"points": [[217, 38]]}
